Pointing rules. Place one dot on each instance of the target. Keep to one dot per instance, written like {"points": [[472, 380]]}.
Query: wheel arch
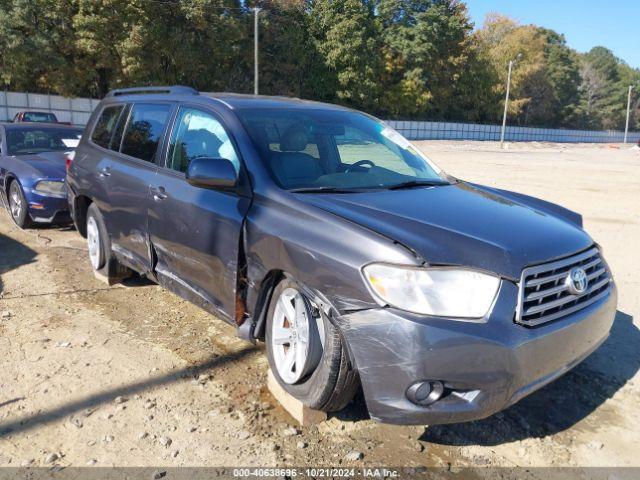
{"points": [[9, 178], [80, 207], [265, 292]]}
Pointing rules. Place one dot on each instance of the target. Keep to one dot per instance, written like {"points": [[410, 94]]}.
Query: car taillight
{"points": [[69, 158]]}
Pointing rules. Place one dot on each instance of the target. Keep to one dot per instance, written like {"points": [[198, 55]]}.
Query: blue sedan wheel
{"points": [[18, 206]]}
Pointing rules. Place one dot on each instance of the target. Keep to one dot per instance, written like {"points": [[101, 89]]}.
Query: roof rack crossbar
{"points": [[177, 89]]}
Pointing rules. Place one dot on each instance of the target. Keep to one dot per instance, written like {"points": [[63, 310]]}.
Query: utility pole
{"points": [[256, 10], [626, 125], [506, 100]]}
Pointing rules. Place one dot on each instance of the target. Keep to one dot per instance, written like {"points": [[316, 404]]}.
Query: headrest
{"points": [[294, 139]]}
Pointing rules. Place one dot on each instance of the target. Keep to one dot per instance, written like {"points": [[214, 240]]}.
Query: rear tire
{"points": [[326, 383], [18, 206], [102, 259]]}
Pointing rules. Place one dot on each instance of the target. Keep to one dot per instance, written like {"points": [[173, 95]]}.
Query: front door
{"points": [[196, 231]]}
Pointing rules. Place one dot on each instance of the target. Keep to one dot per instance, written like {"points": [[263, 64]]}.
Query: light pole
{"points": [[256, 10], [506, 100], [626, 125]]}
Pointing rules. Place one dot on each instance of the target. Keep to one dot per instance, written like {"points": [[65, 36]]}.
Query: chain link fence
{"points": [[77, 111]]}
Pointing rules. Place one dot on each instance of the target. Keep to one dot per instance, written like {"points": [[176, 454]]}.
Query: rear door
{"points": [[127, 177], [196, 231]]}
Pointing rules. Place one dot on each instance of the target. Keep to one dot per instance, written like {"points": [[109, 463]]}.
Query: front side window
{"points": [[105, 126], [24, 141], [335, 149], [198, 134], [146, 125]]}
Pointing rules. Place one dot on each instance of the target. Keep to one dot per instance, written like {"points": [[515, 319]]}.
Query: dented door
{"points": [[194, 231]]}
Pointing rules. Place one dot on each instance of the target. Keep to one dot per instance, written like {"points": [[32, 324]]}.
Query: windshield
{"points": [[328, 150], [22, 141]]}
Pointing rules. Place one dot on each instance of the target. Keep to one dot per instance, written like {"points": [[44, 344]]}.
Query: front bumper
{"points": [[485, 366], [46, 209]]}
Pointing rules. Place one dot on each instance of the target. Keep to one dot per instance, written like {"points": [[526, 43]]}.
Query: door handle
{"points": [[105, 172], [159, 194]]}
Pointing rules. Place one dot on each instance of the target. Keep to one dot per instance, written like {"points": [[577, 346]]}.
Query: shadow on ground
{"points": [[30, 422], [561, 404], [13, 254]]}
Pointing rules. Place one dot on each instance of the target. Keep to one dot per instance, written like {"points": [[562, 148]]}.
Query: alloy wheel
{"points": [[15, 201], [93, 242], [295, 339]]}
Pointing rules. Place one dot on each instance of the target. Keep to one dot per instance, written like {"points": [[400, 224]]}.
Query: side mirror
{"points": [[209, 172]]}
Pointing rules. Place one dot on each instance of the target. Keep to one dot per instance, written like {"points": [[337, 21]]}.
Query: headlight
{"points": [[50, 187], [443, 292]]}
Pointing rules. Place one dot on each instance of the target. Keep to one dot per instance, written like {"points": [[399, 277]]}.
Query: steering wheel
{"points": [[360, 163]]}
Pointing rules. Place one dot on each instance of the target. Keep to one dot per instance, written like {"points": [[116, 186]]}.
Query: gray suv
{"points": [[328, 235]]}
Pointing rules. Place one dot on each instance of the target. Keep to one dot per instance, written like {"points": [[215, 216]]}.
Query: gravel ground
{"points": [[133, 376]]}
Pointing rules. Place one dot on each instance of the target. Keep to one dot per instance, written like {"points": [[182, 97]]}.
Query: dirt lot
{"points": [[133, 376]]}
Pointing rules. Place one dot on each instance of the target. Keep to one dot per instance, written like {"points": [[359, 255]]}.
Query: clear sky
{"points": [[585, 23]]}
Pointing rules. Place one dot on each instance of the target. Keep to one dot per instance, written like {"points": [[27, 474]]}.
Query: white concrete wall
{"points": [[470, 131], [78, 110], [73, 110]]}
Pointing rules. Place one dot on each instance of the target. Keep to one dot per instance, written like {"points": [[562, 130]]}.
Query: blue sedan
{"points": [[32, 171]]}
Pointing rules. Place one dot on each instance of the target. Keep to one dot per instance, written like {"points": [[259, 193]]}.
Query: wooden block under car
{"points": [[304, 415], [108, 280]]}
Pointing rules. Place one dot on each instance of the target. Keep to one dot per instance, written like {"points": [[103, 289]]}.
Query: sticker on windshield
{"points": [[405, 144], [396, 138], [71, 142]]}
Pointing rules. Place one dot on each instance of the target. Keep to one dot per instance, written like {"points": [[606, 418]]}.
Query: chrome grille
{"points": [[544, 295]]}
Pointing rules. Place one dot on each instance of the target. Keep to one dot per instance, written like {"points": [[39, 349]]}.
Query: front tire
{"points": [[306, 352], [104, 263], [18, 206]]}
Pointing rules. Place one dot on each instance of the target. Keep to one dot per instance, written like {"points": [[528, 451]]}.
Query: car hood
{"points": [[462, 224], [45, 164]]}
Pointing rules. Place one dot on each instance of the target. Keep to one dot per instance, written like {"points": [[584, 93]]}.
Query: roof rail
{"points": [[178, 89]]}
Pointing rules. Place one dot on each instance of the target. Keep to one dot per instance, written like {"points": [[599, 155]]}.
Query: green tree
{"points": [[426, 46], [563, 74], [37, 54], [101, 28], [198, 43], [477, 95], [396, 58], [286, 48], [604, 92], [346, 34], [503, 39], [631, 77]]}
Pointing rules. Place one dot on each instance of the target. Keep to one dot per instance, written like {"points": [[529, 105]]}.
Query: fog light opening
{"points": [[425, 393]]}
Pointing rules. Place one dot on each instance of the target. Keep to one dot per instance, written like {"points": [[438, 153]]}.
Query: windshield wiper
{"points": [[325, 190], [417, 183]]}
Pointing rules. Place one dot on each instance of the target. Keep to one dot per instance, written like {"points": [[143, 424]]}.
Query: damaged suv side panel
{"points": [[324, 251]]}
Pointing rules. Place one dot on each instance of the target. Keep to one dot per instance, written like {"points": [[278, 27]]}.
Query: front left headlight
{"points": [[51, 188], [443, 292]]}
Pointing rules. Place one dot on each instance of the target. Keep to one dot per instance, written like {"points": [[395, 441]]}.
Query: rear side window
{"points": [[106, 124], [119, 130], [146, 125]]}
